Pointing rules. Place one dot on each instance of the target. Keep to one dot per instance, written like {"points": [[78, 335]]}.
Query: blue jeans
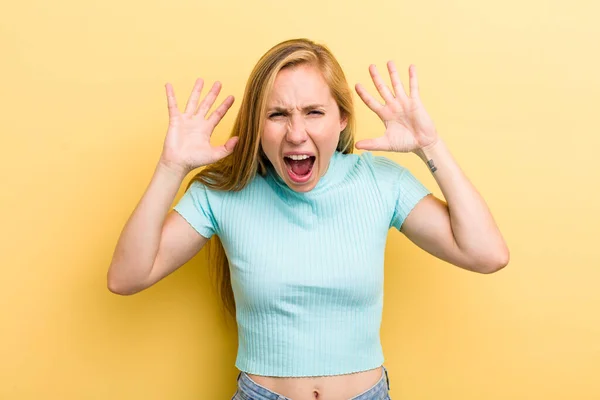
{"points": [[247, 389]]}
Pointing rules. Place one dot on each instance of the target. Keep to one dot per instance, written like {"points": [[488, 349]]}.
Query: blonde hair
{"points": [[236, 170]]}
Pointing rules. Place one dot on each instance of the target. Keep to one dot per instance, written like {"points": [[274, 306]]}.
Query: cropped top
{"points": [[307, 268]]}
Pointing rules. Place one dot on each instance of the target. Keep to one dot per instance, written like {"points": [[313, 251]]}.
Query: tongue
{"points": [[301, 167]]}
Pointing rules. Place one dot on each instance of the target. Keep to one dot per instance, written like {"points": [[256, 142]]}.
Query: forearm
{"points": [[473, 227], [139, 241]]}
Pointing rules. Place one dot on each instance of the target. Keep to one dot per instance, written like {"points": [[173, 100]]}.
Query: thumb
{"points": [[229, 145], [220, 152], [372, 144]]}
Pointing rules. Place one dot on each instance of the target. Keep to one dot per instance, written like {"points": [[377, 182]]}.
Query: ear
{"points": [[343, 122]]}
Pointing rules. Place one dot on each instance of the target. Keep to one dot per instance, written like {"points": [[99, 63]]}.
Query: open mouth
{"points": [[299, 168]]}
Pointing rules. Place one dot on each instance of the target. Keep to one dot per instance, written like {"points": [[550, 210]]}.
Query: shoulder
{"points": [[380, 167], [368, 158], [198, 188]]}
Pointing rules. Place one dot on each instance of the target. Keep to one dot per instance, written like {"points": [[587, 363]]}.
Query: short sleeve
{"points": [[195, 208], [402, 187]]}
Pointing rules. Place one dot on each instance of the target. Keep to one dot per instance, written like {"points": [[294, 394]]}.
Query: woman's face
{"points": [[303, 119]]}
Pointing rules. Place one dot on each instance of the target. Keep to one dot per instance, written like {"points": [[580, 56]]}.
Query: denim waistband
{"points": [[250, 390]]}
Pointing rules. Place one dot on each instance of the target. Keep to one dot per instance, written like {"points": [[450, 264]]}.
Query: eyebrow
{"points": [[283, 109]]}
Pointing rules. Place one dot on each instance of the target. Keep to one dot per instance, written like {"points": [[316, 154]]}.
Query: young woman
{"points": [[299, 223]]}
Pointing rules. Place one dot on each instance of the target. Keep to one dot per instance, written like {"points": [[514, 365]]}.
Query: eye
{"points": [[276, 114], [317, 112]]}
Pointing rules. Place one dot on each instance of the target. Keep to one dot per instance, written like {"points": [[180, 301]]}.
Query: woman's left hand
{"points": [[408, 126]]}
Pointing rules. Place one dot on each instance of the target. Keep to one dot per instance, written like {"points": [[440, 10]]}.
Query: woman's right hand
{"points": [[187, 145]]}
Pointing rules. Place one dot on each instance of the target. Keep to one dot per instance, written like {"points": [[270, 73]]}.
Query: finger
{"points": [[377, 144], [171, 100], [223, 151], [217, 115], [382, 88], [414, 84], [209, 100], [192, 103], [230, 144], [368, 99], [396, 82]]}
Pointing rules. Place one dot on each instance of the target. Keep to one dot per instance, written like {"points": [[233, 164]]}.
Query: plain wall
{"points": [[512, 87]]}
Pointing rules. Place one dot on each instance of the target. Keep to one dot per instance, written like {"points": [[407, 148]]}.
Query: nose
{"points": [[296, 130]]}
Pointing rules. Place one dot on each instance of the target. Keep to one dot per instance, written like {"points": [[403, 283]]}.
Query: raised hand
{"points": [[408, 126], [187, 144]]}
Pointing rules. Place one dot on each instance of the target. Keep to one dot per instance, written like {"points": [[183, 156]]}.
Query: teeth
{"points": [[298, 156]]}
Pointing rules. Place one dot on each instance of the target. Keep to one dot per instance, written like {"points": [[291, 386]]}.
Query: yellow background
{"points": [[513, 88]]}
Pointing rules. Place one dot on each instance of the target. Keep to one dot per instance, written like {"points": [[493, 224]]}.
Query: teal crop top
{"points": [[307, 268]]}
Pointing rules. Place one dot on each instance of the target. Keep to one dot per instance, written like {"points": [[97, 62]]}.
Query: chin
{"points": [[304, 188]]}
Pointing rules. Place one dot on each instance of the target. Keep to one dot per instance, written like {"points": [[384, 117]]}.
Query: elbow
{"points": [[120, 290], [119, 287], [495, 264], [116, 288]]}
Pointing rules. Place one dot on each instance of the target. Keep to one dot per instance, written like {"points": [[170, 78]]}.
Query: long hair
{"points": [[235, 171]]}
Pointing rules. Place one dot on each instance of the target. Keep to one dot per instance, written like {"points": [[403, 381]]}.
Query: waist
{"points": [[345, 386], [305, 359]]}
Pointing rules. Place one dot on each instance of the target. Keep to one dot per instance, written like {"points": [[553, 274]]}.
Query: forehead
{"points": [[300, 84]]}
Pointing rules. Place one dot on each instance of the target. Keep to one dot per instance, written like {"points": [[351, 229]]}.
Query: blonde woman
{"points": [[299, 223]]}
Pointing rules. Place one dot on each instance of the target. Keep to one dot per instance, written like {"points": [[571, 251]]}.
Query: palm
{"points": [[190, 138], [187, 144], [408, 126]]}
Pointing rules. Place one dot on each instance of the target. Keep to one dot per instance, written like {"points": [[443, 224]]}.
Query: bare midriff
{"points": [[344, 386]]}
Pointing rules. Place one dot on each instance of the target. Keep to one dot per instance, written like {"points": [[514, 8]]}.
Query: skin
{"points": [[460, 231], [303, 116], [292, 125]]}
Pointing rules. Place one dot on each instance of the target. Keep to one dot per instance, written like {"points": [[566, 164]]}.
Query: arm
{"points": [[461, 231], [152, 243]]}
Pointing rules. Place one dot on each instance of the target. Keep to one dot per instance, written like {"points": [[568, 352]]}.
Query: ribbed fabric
{"points": [[307, 268]]}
